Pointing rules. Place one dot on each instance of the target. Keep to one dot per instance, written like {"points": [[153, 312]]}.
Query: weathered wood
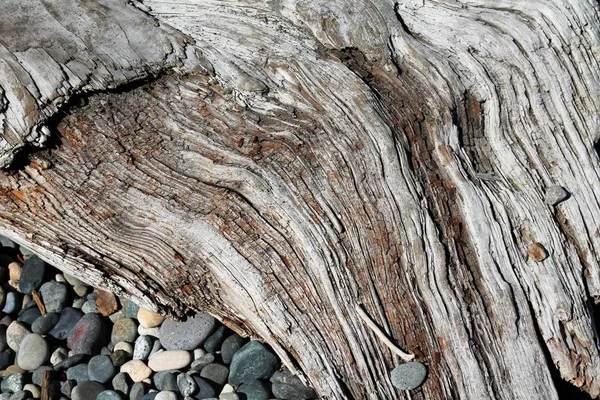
{"points": [[303, 157]]}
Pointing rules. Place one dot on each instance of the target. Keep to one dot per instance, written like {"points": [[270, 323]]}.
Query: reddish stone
{"points": [[107, 302], [87, 335]]}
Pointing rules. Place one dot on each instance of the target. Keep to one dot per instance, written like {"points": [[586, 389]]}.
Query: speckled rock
{"points": [[13, 383], [409, 376], [143, 346], [120, 383], [254, 390], [187, 335], [54, 295], [253, 361], [15, 333], [124, 330], [109, 395], [87, 335]]}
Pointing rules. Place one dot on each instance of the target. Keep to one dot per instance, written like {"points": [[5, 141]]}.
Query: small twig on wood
{"points": [[371, 324], [38, 302]]}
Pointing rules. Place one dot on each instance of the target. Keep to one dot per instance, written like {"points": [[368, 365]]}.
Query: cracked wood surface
{"points": [[295, 158]]}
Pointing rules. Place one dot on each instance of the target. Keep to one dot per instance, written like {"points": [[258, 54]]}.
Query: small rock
{"points": [[169, 359], [165, 380], [227, 389], [70, 361], [229, 396], [58, 355], [32, 274], [124, 330], [137, 391], [69, 317], [37, 375], [120, 383], [78, 373], [156, 347], [12, 383], [78, 303], [13, 302], [29, 315], [143, 347], [90, 307], [109, 395], [33, 352], [7, 357], [166, 395], [54, 295], [203, 361], [3, 342], [81, 290], [154, 332], [205, 389], [117, 316], [60, 278], [253, 361], [409, 376], [149, 319], [537, 252], [34, 390], [120, 357], [198, 353], [20, 395], [107, 302], [74, 281], [186, 385], [287, 386], [137, 370], [125, 346], [67, 387], [214, 341], [14, 272], [215, 373], [555, 195], [187, 335], [131, 309], [101, 369], [15, 333], [87, 335], [255, 390], [43, 324], [88, 390], [230, 346]]}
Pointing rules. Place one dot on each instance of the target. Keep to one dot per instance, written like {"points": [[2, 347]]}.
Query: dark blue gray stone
{"points": [[215, 373], [67, 387], [3, 343], [229, 347], [186, 385], [287, 386], [87, 390], [409, 376], [214, 341], [29, 315], [253, 361], [78, 373], [121, 383], [166, 380], [254, 390], [138, 390], [203, 361], [37, 375], [70, 361], [66, 322], [12, 303], [43, 324], [32, 274], [101, 369], [55, 296], [7, 358], [205, 388]]}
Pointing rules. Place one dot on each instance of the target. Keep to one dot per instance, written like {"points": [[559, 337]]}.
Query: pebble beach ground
{"points": [[62, 339]]}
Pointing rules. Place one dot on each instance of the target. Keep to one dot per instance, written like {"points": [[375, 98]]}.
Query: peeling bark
{"points": [[275, 163]]}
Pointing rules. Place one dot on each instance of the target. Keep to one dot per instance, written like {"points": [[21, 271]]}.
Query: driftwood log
{"points": [[275, 162]]}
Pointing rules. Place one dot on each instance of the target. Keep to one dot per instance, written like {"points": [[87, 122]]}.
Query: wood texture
{"points": [[302, 157]]}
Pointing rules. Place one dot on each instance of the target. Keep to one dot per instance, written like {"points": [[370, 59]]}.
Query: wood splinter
{"points": [[373, 326]]}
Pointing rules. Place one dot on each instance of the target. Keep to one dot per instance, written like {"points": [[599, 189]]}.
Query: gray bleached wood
{"points": [[319, 154]]}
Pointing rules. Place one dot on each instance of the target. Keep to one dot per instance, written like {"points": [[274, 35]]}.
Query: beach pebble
{"points": [[186, 385], [32, 274], [33, 352], [143, 347], [15, 333], [109, 395], [230, 346], [169, 359], [187, 335], [120, 383], [287, 386], [149, 319], [124, 330], [409, 376], [215, 373], [166, 395], [13, 383], [87, 390], [54, 296], [44, 324], [125, 346], [253, 361], [69, 317], [101, 369], [137, 370], [254, 390], [87, 335]]}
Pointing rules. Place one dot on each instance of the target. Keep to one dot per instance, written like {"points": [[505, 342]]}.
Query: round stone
{"points": [[32, 274], [34, 390], [54, 295], [14, 271], [230, 346], [187, 335], [81, 290], [120, 383], [125, 346], [137, 391], [555, 195], [124, 330], [109, 395], [58, 355], [165, 380], [87, 335], [214, 341], [186, 385], [12, 369], [101, 369], [143, 346], [166, 395], [131, 308], [253, 361], [87, 390], [287, 386], [90, 307], [205, 389], [12, 303], [149, 319], [119, 357], [137, 370], [228, 396], [215, 373], [255, 390], [170, 359], [15, 333], [33, 352], [69, 317], [203, 361], [78, 373], [29, 315], [43, 324], [106, 302], [409, 376]]}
